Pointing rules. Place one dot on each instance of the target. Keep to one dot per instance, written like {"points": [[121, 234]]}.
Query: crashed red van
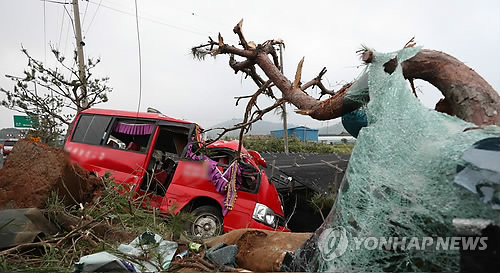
{"points": [[158, 155]]}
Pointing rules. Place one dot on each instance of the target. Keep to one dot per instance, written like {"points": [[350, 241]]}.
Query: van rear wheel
{"points": [[208, 222]]}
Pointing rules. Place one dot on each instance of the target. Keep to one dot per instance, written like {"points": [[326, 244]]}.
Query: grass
{"points": [[115, 210]]}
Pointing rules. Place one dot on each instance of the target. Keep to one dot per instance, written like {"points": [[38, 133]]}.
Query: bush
{"points": [[274, 145]]}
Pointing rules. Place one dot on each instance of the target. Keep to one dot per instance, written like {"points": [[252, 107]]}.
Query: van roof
{"points": [[132, 114]]}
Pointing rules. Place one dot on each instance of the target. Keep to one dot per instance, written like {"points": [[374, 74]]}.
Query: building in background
{"points": [[302, 132], [343, 137]]}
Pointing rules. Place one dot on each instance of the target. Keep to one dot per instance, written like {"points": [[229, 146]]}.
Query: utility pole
{"points": [[81, 59], [283, 107]]}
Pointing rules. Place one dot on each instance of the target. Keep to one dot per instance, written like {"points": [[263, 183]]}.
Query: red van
{"points": [[158, 155]]}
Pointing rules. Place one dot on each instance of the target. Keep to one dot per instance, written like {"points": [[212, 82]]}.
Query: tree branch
{"points": [[472, 98]]}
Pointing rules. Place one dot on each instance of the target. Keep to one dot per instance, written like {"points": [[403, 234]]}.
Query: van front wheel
{"points": [[207, 223]]}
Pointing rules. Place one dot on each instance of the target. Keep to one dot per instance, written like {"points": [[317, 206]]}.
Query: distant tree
{"points": [[52, 96]]}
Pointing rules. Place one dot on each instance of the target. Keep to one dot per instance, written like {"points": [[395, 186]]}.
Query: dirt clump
{"points": [[33, 170]]}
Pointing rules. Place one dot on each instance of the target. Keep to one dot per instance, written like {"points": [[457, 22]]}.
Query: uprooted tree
{"points": [[399, 183], [466, 94], [50, 96]]}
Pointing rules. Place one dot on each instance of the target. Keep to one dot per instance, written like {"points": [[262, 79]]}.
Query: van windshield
{"points": [[132, 135]]}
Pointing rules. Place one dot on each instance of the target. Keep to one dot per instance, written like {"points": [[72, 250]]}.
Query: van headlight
{"points": [[265, 215]]}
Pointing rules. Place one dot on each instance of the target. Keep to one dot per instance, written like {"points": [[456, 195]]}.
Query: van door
{"points": [[126, 148], [168, 149]]}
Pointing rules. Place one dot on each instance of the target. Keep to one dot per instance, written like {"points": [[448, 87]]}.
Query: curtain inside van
{"points": [[133, 129]]}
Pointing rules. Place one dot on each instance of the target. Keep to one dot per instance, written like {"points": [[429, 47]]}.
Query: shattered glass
{"points": [[399, 182]]}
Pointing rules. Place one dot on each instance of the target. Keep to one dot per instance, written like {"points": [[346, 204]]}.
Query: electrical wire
{"points": [[93, 17], [140, 57], [71, 20], [85, 13], [151, 20], [44, 34], [60, 32]]}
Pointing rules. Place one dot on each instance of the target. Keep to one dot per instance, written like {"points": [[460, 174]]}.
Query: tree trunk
{"points": [[470, 97]]}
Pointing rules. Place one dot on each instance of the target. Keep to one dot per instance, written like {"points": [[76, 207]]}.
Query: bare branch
{"points": [[455, 80], [237, 30]]}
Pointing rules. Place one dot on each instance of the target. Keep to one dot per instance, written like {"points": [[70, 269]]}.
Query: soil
{"points": [[33, 170], [261, 250]]}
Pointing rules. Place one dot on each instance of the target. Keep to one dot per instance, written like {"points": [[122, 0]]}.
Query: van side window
{"points": [[90, 129], [130, 134]]}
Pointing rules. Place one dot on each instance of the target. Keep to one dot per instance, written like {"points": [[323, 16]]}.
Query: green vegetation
{"points": [[112, 218], [271, 144], [323, 202]]}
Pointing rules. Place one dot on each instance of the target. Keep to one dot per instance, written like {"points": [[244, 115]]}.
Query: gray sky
{"points": [[327, 33]]}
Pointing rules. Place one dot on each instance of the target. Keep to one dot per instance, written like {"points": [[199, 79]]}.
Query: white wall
{"points": [[335, 139]]}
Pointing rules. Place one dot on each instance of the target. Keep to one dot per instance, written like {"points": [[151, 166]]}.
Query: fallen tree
{"points": [[466, 93], [400, 182]]}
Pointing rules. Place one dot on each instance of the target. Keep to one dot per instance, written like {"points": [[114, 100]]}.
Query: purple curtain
{"points": [[133, 129]]}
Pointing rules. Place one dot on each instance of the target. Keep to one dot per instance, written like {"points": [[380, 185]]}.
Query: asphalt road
{"points": [[1, 161]]}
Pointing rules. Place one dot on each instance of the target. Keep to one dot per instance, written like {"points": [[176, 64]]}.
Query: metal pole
{"points": [[81, 59]]}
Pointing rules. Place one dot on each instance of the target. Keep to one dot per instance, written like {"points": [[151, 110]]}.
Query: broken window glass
{"points": [[399, 183]]}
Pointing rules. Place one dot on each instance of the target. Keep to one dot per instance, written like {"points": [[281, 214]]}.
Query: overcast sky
{"points": [[327, 33]]}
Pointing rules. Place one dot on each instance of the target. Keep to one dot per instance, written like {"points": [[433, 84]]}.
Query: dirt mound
{"points": [[261, 250], [33, 170]]}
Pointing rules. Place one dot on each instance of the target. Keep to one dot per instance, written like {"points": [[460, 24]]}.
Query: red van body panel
{"points": [[189, 182]]}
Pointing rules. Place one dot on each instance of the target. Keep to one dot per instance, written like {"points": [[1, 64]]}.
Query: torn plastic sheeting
{"points": [[399, 183], [160, 254], [481, 173], [103, 262], [19, 226]]}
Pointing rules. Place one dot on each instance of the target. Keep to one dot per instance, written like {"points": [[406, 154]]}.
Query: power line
{"points": [[67, 35], [85, 13], [60, 32], [56, 2], [140, 58], [44, 35], [152, 20], [93, 17], [71, 20]]}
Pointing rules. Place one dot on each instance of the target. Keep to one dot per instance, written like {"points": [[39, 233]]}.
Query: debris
{"points": [[103, 262], [260, 250], [146, 253], [179, 257], [195, 247], [481, 172], [34, 170], [20, 226], [223, 254]]}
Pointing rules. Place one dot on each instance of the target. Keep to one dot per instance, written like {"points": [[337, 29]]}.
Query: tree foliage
{"points": [[273, 145], [51, 96]]}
